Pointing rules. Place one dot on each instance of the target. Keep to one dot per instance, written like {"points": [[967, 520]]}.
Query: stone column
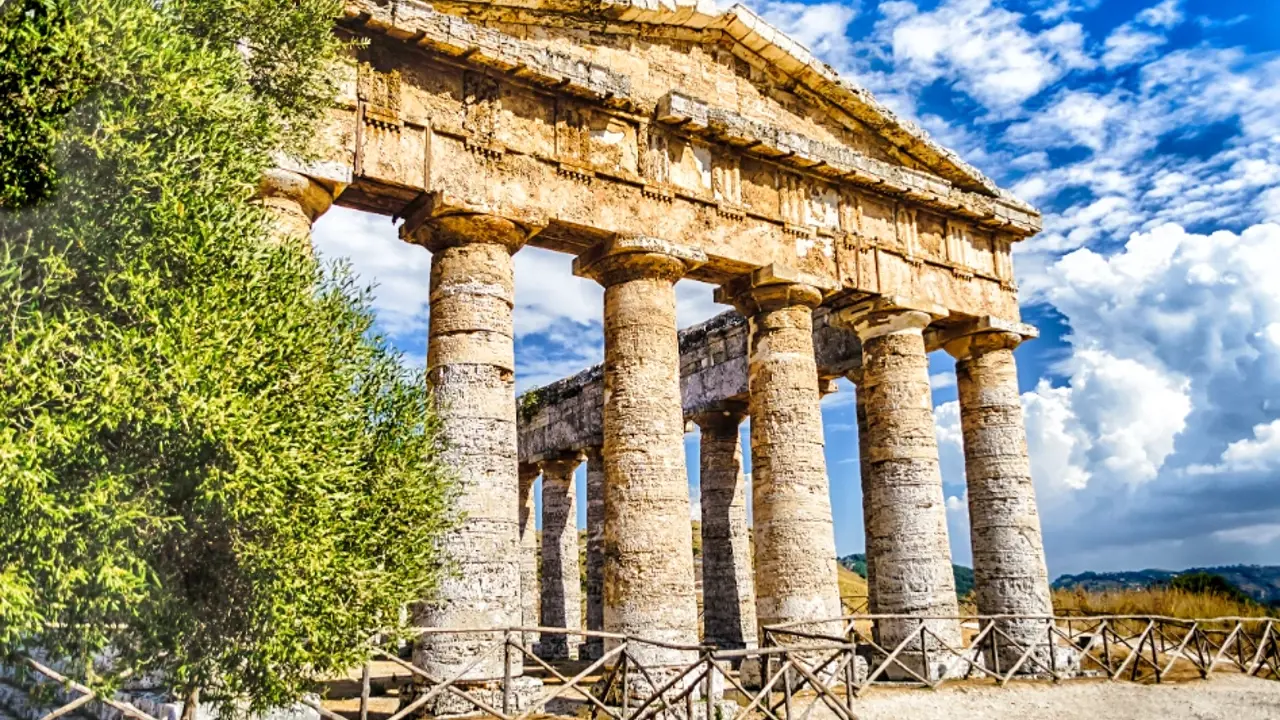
{"points": [[1010, 577], [648, 573], [907, 525], [864, 476], [561, 575], [529, 595], [795, 553], [294, 202], [593, 648], [728, 593], [470, 367]]}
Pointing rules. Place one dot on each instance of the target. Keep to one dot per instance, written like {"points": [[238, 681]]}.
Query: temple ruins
{"points": [[655, 141]]}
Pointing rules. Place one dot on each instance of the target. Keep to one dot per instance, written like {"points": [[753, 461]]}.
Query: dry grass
{"points": [[1153, 601]]}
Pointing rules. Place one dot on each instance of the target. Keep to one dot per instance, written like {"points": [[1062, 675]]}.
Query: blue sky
{"points": [[1148, 132]]}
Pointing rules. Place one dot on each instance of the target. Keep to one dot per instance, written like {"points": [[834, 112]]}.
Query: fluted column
{"points": [[529, 592], [594, 647], [907, 528], [728, 592], [470, 367], [294, 201], [649, 582], [561, 574], [1010, 577], [795, 553]]}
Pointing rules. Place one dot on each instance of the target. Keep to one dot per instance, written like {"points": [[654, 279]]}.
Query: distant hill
{"points": [[857, 562], [1260, 582]]}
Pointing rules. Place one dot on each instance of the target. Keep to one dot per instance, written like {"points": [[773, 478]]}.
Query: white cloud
{"points": [[400, 273], [1129, 44], [982, 48], [1258, 453], [822, 27], [1166, 15]]}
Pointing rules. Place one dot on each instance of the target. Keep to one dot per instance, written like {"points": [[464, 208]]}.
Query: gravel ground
{"points": [[1223, 697]]}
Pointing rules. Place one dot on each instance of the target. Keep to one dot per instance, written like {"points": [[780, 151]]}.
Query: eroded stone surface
{"points": [[470, 367], [1010, 577], [795, 554], [593, 648], [728, 586], [907, 533], [529, 555], [561, 575], [648, 572]]}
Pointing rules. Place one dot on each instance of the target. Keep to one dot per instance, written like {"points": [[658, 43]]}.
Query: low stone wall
{"points": [[567, 414]]}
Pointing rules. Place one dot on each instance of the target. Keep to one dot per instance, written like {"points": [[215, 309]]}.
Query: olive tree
{"points": [[212, 467]]}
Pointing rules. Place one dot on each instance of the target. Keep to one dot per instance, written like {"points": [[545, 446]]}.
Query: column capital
{"points": [[827, 386], [855, 375], [773, 287], [528, 472], [888, 315], [729, 414], [562, 464], [631, 257], [445, 231], [981, 335], [279, 185]]}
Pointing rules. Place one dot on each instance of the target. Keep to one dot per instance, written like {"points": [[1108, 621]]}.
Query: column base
{"points": [[556, 649]]}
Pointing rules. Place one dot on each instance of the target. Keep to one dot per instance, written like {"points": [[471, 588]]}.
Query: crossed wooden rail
{"points": [[800, 668]]}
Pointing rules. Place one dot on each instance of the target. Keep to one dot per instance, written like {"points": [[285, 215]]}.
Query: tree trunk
{"points": [[191, 703]]}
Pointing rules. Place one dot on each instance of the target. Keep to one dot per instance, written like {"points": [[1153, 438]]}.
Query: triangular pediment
{"points": [[728, 59]]}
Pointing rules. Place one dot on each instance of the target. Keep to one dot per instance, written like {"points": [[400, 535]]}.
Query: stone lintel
{"points": [[559, 461], [640, 250], [944, 337], [732, 410]]}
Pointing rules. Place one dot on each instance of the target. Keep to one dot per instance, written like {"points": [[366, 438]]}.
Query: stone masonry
{"points": [[728, 594], [648, 572], [470, 366], [529, 555], [907, 534], [795, 543], [593, 647], [561, 576], [1010, 577], [657, 142]]}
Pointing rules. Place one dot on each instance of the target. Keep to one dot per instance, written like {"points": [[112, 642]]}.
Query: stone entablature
{"points": [[445, 115]]}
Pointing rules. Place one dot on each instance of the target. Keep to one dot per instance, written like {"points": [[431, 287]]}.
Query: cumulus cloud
{"points": [[1172, 379], [982, 48]]}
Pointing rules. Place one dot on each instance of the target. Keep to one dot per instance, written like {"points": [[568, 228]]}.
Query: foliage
{"points": [[1209, 584], [1260, 582], [209, 463], [1168, 602], [43, 73]]}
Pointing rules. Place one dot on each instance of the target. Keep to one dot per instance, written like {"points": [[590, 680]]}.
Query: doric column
{"points": [[864, 475], [728, 593], [649, 583], [907, 528], [529, 599], [795, 553], [561, 575], [1010, 577], [294, 201], [470, 367], [594, 647]]}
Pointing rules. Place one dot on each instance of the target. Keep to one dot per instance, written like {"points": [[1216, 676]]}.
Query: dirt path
{"points": [[1225, 697]]}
